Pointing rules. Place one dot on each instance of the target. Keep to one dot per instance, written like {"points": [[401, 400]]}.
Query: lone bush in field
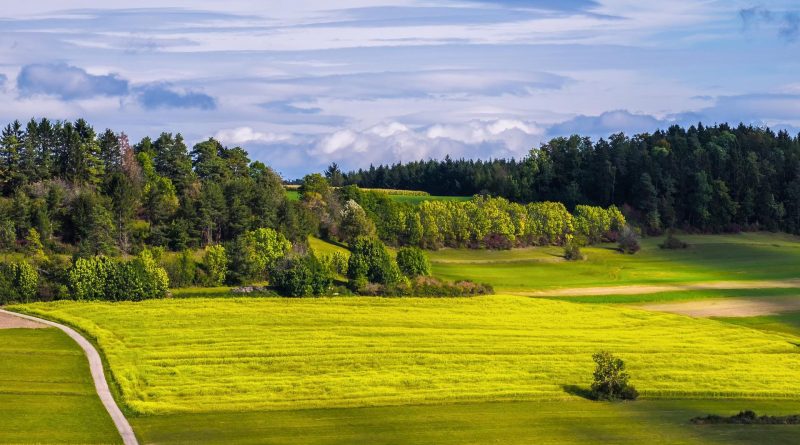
{"points": [[413, 262], [610, 379], [572, 252], [371, 262], [215, 265], [628, 241], [672, 242], [300, 276]]}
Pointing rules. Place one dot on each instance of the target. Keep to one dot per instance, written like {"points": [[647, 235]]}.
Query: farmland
{"points": [[46, 391], [257, 354]]}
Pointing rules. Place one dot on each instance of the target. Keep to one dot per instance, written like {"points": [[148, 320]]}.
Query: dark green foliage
{"points": [[423, 286], [370, 262], [610, 379], [301, 275], [746, 418], [413, 262], [672, 242]]}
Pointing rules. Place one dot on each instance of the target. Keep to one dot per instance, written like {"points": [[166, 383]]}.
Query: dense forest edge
{"points": [[91, 216]]}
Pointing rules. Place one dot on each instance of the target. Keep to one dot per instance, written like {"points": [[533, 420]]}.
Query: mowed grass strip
{"points": [[710, 258], [46, 391], [260, 354]]}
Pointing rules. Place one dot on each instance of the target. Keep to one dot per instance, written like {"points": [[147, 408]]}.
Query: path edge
{"points": [[98, 376]]}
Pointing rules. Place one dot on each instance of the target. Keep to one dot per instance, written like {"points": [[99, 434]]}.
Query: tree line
{"points": [[701, 178]]}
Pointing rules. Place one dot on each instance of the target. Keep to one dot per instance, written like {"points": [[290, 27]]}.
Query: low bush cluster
{"points": [[673, 243], [103, 278], [301, 276], [18, 282], [423, 286], [747, 418]]}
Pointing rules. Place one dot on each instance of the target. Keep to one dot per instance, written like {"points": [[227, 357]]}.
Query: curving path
{"points": [[100, 384]]}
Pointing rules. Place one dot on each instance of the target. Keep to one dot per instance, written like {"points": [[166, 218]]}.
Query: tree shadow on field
{"points": [[578, 391]]}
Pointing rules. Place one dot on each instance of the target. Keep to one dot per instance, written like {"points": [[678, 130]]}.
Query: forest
{"points": [[701, 178], [92, 213]]}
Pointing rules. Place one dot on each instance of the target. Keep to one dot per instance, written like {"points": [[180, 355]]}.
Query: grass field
{"points": [[753, 256], [576, 422], [46, 391], [294, 195], [788, 323], [256, 354]]}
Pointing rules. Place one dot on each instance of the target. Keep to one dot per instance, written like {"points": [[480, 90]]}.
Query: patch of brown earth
{"points": [[729, 307], [653, 289], [12, 322]]}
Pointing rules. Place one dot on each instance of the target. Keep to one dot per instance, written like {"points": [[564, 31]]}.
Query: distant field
{"points": [[752, 256], [201, 355], [294, 195], [574, 422], [46, 391], [788, 323]]}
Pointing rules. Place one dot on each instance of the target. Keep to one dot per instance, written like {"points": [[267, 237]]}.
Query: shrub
{"points": [[137, 280], [413, 262], [371, 261], [672, 242], [572, 252], [299, 276], [610, 379], [182, 270], [628, 241], [33, 243], [253, 253], [423, 286], [215, 265], [335, 262], [355, 223]]}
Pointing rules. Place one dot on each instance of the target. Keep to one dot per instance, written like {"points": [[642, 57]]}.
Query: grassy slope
{"points": [[46, 391], [788, 323], [567, 422], [710, 258], [255, 354]]}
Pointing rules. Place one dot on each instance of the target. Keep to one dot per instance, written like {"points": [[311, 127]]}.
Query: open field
{"points": [[788, 323], [294, 195], [743, 257], [257, 354], [46, 391], [576, 422], [677, 296], [729, 307]]}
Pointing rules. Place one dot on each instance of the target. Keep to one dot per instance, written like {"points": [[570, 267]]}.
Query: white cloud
{"points": [[243, 135]]}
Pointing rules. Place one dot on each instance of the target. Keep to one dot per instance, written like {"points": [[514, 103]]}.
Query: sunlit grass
{"points": [[204, 355]]}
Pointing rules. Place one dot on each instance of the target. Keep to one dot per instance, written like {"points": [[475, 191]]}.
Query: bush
{"points": [[26, 281], [215, 265], [572, 252], [371, 262], [413, 262], [99, 278], [253, 253], [87, 278], [336, 263], [300, 276], [628, 241], [672, 242], [610, 379], [182, 270], [422, 286]]}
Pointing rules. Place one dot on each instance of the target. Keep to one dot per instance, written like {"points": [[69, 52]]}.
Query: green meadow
{"points": [[46, 391], [743, 257]]}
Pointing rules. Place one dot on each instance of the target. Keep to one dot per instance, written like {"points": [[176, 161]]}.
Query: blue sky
{"points": [[303, 83]]}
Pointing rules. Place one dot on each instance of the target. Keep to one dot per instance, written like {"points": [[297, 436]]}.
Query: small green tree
{"points": [[26, 281], [215, 264], [254, 252], [371, 262], [300, 276], [33, 244], [610, 379], [413, 262], [355, 223], [87, 278], [572, 251]]}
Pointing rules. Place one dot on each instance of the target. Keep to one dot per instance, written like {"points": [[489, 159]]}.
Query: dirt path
{"points": [[96, 366], [728, 307], [14, 322], [652, 289]]}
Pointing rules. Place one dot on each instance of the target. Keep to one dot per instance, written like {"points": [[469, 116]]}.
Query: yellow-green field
{"points": [[202, 355]]}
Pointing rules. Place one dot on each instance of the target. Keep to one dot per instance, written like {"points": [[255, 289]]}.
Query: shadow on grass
{"points": [[578, 391]]}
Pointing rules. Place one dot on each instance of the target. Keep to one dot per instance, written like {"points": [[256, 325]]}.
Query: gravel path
{"points": [[96, 366]]}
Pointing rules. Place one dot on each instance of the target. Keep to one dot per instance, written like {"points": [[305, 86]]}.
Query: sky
{"points": [[301, 84]]}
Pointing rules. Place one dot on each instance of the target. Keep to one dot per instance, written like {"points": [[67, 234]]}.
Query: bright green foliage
{"points": [[610, 379], [314, 184], [413, 262], [88, 277], [371, 262], [176, 355], [137, 280], [26, 280], [33, 243], [597, 224], [254, 252], [183, 270], [100, 278], [300, 276], [215, 265]]}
